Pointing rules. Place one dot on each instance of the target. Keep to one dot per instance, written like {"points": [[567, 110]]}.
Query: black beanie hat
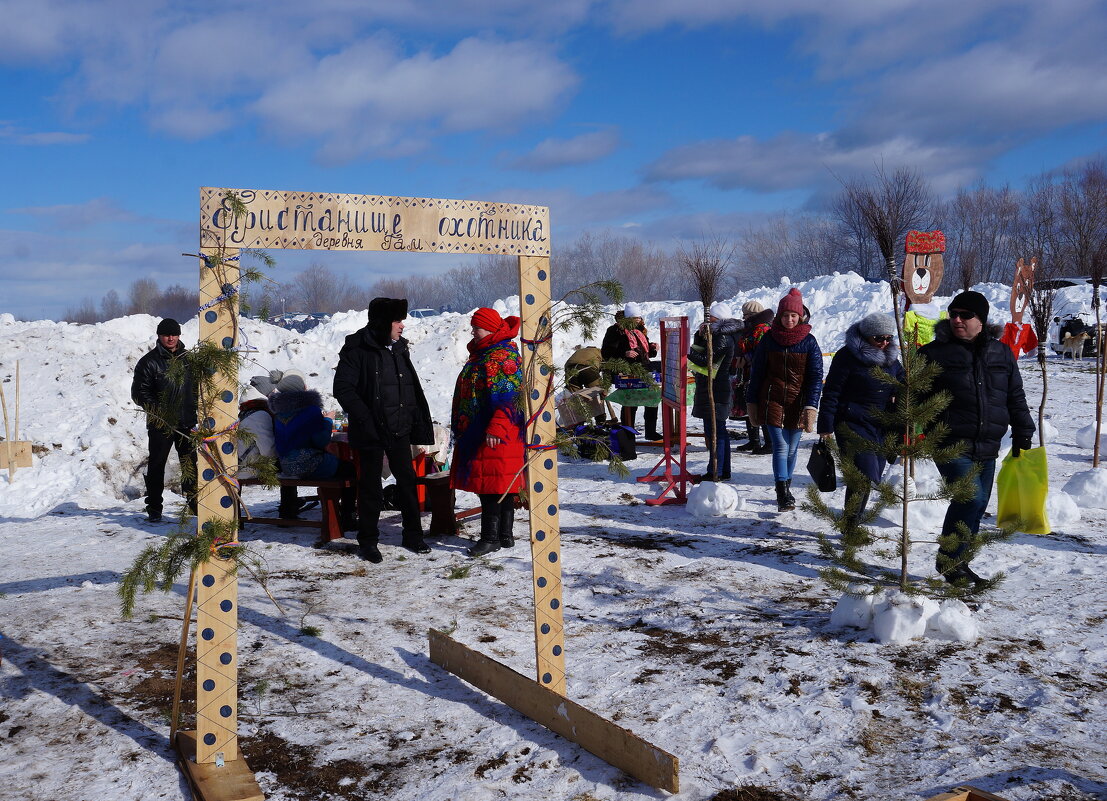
{"points": [[169, 328], [972, 301]]}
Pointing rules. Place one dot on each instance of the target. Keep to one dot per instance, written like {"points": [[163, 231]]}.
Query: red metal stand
{"points": [[670, 472]]}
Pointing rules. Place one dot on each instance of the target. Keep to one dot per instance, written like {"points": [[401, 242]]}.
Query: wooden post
{"points": [[545, 529]]}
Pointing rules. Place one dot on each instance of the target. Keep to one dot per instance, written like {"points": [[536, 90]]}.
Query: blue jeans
{"points": [[721, 457], [786, 442], [970, 512]]}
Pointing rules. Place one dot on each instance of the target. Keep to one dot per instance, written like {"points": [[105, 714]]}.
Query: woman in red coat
{"points": [[487, 422]]}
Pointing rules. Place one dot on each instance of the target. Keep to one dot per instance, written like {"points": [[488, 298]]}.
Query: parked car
{"points": [[299, 321], [419, 314]]}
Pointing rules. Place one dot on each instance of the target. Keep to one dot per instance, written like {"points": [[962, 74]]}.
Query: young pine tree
{"points": [[914, 433]]}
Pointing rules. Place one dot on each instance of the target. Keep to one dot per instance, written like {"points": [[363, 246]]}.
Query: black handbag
{"points": [[820, 465]]}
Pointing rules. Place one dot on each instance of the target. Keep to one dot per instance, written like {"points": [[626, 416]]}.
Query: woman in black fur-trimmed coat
{"points": [[852, 393]]}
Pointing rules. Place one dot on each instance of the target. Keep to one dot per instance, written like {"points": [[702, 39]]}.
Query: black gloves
{"points": [[1019, 444]]}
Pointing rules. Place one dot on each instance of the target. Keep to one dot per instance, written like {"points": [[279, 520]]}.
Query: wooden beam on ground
{"points": [[233, 781], [610, 742], [966, 793]]}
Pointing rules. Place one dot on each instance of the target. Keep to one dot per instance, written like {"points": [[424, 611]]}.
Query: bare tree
{"points": [[85, 313], [980, 225], [143, 296], [1036, 237], [889, 207], [1082, 212], [111, 306]]}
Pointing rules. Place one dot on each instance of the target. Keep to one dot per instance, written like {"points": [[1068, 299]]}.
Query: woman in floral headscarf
{"points": [[487, 423]]}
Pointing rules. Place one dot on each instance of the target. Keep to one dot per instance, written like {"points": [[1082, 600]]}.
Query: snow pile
{"points": [[1088, 488], [896, 617], [714, 499], [1061, 509]]}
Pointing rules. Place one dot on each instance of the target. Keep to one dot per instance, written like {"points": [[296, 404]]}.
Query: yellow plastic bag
{"points": [[1022, 485]]}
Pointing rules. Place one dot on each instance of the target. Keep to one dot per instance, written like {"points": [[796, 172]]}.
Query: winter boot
{"points": [[415, 543], [754, 441], [764, 444], [784, 500], [788, 494], [507, 523], [367, 547], [489, 534]]}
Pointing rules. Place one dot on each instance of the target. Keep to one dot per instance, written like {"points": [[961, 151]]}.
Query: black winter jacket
{"points": [[851, 392], [984, 380], [380, 393], [616, 344], [159, 397], [724, 345]]}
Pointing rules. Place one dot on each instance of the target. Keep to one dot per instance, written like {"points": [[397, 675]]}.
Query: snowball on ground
{"points": [[853, 610], [1088, 488], [714, 499], [1061, 509], [954, 620], [901, 618]]}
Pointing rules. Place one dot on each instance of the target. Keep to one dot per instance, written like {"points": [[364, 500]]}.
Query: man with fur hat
{"points": [[981, 375], [170, 405], [376, 384]]}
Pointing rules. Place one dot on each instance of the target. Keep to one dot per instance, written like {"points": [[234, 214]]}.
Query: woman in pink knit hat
{"points": [[786, 381]]}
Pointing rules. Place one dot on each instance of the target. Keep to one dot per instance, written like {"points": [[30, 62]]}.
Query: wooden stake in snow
{"points": [[16, 453]]}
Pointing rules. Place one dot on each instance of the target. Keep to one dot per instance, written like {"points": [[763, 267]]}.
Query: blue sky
{"points": [[658, 119]]}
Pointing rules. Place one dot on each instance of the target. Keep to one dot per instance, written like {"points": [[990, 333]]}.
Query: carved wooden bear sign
{"points": [[1021, 288], [923, 265]]}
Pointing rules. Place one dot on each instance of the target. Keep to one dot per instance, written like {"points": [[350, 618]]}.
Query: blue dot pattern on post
{"points": [[538, 486], [225, 711], [226, 502], [546, 678], [541, 581], [208, 581], [209, 474], [545, 628], [553, 557], [540, 535], [209, 739], [225, 658], [226, 605], [228, 447], [208, 634], [211, 317], [548, 464]]}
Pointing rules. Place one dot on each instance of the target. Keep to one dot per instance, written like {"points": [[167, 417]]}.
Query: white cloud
{"points": [[79, 215], [797, 161], [550, 154], [367, 98]]}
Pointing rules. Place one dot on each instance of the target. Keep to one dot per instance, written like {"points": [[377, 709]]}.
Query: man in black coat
{"points": [[376, 384], [170, 406], [981, 375]]}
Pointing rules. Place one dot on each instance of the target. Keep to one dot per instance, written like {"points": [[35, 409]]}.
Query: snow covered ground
{"points": [[710, 637]]}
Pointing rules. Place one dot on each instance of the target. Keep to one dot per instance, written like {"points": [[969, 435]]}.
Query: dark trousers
{"points": [[161, 443], [370, 498], [718, 462], [971, 511], [871, 464], [497, 518], [649, 415]]}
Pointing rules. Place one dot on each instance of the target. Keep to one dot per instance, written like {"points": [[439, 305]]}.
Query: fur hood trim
{"points": [[866, 353], [292, 402]]}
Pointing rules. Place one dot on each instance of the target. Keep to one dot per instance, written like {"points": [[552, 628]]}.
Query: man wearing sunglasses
{"points": [[981, 375]]}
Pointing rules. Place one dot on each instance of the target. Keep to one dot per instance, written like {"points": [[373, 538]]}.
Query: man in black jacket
{"points": [[376, 384], [170, 406], [981, 375]]}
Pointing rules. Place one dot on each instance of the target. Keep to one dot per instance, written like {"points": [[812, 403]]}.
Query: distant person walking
{"points": [[376, 384], [163, 387], [981, 375], [487, 423], [786, 381]]}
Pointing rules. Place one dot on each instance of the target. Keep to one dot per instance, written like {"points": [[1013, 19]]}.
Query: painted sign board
{"points": [[329, 221]]}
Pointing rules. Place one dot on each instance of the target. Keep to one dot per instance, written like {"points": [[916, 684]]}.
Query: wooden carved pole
{"points": [[545, 530], [217, 588]]}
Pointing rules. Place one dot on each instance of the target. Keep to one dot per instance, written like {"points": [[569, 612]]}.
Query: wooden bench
{"points": [[329, 491], [439, 500]]}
